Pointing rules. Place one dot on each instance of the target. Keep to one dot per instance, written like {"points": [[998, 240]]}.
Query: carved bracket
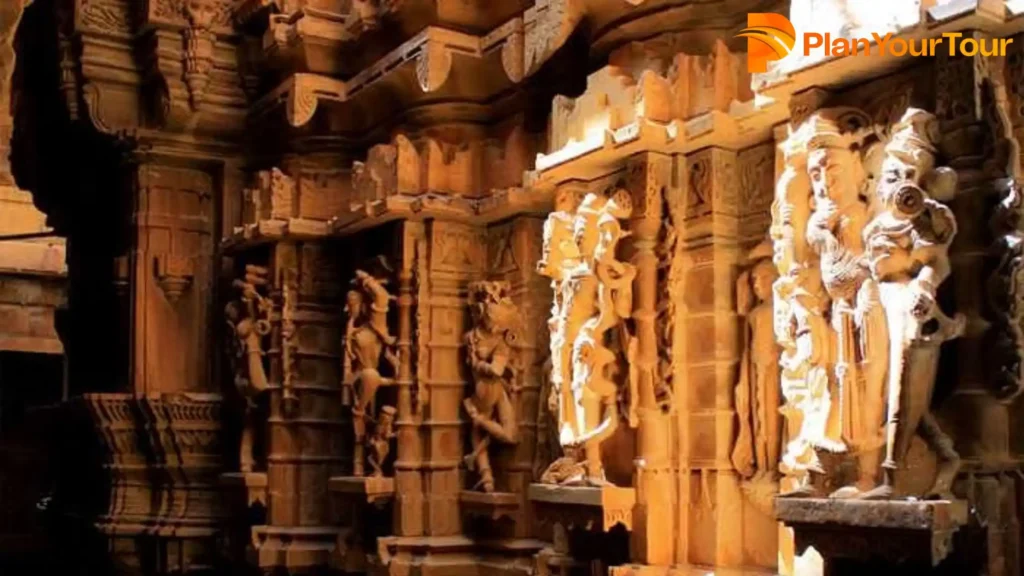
{"points": [[173, 274]]}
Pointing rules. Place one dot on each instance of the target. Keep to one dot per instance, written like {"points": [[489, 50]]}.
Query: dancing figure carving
{"points": [[369, 348], [491, 355], [249, 322]]}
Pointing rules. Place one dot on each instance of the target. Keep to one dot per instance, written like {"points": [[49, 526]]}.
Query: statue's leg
{"points": [[366, 385], [377, 470], [507, 419], [483, 460], [245, 455], [949, 460]]}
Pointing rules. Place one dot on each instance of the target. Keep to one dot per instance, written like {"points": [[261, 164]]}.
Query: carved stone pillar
{"points": [[971, 108], [413, 362], [457, 256], [648, 177], [170, 277], [305, 422], [708, 226]]}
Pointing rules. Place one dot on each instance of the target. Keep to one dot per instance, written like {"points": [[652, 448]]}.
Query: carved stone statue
{"points": [[367, 340], [855, 306], [756, 454], [834, 233], [249, 323], [593, 295], [379, 444], [908, 248], [491, 355]]}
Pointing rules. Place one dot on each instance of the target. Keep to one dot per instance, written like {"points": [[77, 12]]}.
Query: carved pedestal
{"points": [[857, 536], [492, 505], [581, 518], [245, 494], [368, 501]]}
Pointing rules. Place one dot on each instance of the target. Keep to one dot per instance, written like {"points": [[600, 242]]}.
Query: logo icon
{"points": [[769, 37]]}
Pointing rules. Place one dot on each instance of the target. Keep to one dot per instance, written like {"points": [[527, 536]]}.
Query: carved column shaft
{"points": [[979, 423], [304, 435], [408, 509], [170, 269], [712, 501], [649, 176], [457, 256]]}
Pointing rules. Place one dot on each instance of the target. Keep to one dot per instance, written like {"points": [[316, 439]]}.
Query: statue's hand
{"points": [[922, 302], [553, 400]]}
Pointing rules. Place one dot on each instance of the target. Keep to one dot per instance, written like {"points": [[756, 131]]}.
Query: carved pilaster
{"points": [[414, 361], [648, 178]]}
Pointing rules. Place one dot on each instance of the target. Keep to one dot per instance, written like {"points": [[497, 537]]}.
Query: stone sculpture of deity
{"points": [[491, 354], [369, 348], [593, 295], [756, 453], [855, 306], [249, 323], [908, 254]]}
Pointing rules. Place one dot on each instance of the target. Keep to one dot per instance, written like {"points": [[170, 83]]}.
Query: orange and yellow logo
{"points": [[769, 37], [772, 37]]}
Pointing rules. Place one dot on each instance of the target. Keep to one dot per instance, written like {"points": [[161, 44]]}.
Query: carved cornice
{"points": [[429, 58], [697, 102]]}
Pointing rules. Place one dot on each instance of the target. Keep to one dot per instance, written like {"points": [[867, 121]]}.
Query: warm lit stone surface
{"points": [[538, 287]]}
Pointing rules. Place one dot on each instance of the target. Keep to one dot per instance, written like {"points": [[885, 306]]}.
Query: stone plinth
{"points": [[375, 490], [253, 485], [848, 532], [493, 505], [585, 507]]}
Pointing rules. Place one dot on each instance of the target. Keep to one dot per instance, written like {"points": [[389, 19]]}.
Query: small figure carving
{"points": [[491, 355], [593, 295], [379, 444], [756, 454], [367, 339], [249, 324], [289, 346]]}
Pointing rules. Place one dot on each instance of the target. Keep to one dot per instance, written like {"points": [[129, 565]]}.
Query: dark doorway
{"points": [[29, 384]]}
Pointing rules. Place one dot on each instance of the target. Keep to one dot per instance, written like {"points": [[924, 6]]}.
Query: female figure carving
{"points": [[367, 338], [248, 331], [490, 348]]}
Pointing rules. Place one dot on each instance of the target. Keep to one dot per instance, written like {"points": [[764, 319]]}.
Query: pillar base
{"points": [[491, 505], [295, 549]]}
